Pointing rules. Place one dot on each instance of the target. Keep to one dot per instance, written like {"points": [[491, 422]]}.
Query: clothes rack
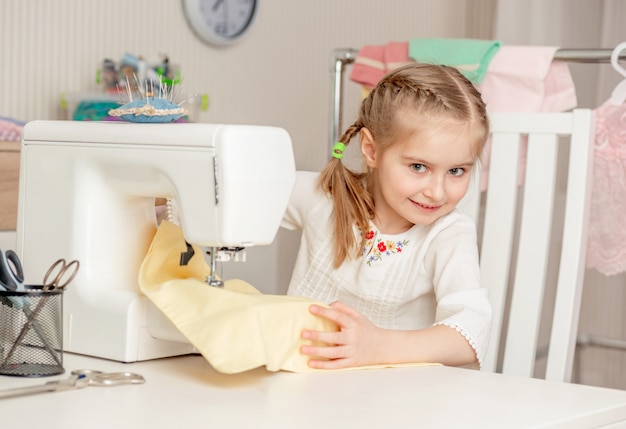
{"points": [[344, 56]]}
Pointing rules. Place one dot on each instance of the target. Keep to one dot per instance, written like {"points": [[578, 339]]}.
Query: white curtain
{"points": [[572, 24]]}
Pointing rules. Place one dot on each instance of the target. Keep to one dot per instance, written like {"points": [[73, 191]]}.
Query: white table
{"points": [[187, 392]]}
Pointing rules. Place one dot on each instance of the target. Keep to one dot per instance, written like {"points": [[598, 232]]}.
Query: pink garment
{"points": [[10, 130], [373, 62], [525, 79], [606, 247]]}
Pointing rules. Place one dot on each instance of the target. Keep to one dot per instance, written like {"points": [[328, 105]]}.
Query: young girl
{"points": [[386, 248]]}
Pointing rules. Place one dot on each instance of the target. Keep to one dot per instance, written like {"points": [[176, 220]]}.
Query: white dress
{"points": [[427, 275]]}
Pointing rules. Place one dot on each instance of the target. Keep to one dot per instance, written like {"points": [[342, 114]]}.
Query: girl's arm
{"points": [[358, 343]]}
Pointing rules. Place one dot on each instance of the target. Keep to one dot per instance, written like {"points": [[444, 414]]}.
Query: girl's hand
{"points": [[358, 342]]}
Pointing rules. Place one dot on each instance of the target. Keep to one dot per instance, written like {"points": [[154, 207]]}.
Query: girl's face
{"points": [[421, 176]]}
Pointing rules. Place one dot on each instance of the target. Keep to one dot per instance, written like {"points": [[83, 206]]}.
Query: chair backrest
{"points": [[517, 229]]}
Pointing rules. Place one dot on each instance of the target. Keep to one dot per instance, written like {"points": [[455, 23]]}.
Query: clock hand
{"points": [[217, 4]]}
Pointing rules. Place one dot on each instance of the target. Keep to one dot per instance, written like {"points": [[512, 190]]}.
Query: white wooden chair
{"points": [[518, 224]]}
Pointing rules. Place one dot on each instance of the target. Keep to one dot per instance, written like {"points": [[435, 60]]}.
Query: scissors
{"points": [[77, 380], [11, 271], [63, 267], [31, 315]]}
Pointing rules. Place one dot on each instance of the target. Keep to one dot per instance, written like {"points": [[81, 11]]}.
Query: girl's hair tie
{"points": [[338, 149]]}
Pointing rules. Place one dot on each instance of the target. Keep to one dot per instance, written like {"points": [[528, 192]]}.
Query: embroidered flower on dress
{"points": [[376, 248]]}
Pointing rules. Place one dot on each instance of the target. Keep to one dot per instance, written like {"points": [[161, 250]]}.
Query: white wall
{"points": [[278, 75]]}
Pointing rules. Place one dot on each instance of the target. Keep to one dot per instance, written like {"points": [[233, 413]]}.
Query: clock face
{"points": [[220, 21]]}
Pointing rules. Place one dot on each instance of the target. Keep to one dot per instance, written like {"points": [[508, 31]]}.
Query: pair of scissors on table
{"points": [[77, 380]]}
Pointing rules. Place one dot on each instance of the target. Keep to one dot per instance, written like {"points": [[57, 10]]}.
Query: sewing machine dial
{"points": [[220, 22]]}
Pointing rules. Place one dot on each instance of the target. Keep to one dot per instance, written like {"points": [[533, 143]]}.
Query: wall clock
{"points": [[220, 22]]}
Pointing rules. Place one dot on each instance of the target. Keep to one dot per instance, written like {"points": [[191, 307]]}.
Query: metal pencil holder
{"points": [[31, 332]]}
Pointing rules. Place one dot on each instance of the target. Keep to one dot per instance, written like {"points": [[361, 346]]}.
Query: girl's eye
{"points": [[456, 171], [419, 168]]}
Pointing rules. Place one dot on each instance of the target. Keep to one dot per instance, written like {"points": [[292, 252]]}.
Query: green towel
{"points": [[470, 56]]}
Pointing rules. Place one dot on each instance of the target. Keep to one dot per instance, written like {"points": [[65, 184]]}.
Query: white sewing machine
{"points": [[87, 191]]}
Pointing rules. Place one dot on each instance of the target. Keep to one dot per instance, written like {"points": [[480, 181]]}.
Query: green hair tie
{"points": [[338, 149]]}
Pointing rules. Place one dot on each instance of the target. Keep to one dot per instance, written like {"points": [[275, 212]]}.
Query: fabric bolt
{"points": [[428, 275], [235, 328], [470, 56], [606, 246]]}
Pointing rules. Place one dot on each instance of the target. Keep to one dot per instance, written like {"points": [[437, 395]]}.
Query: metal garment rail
{"points": [[343, 56]]}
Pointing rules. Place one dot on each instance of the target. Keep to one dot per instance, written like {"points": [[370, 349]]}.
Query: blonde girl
{"points": [[385, 247]]}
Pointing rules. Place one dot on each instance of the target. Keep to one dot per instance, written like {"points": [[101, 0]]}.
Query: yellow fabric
{"points": [[235, 328]]}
